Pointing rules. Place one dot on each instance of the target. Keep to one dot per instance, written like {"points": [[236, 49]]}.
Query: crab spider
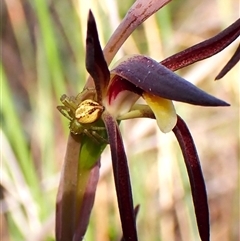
{"points": [[83, 113]]}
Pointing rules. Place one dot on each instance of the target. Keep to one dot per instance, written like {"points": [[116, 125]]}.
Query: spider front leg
{"points": [[69, 102], [68, 108], [88, 93], [91, 131], [64, 110]]}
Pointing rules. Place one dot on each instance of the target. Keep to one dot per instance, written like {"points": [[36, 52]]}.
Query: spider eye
{"points": [[88, 111]]}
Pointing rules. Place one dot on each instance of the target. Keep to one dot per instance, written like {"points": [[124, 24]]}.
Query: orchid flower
{"points": [[95, 114]]}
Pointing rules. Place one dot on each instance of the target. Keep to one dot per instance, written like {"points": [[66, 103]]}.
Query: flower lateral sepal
{"points": [[197, 183]]}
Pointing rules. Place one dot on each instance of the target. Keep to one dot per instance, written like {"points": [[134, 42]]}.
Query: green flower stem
{"points": [[66, 197], [78, 180], [138, 111]]}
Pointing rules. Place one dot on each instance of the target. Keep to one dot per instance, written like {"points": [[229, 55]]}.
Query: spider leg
{"points": [[64, 110], [99, 138], [93, 134], [88, 93]]}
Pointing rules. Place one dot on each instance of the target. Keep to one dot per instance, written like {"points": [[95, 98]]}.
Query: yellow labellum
{"points": [[163, 110]]}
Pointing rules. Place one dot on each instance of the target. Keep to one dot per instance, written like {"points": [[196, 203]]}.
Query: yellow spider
{"points": [[83, 114]]}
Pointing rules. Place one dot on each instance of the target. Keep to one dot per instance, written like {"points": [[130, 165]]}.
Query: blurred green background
{"points": [[42, 50]]}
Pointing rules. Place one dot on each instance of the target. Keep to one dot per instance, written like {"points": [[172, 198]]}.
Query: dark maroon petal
{"points": [[122, 179], [204, 49], [152, 77], [66, 196], [230, 64], [87, 203], [95, 62], [197, 183], [136, 210]]}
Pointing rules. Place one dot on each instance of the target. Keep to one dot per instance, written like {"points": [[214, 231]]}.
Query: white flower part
{"points": [[121, 104]]}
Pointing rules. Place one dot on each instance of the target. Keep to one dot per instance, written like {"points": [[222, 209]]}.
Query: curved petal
{"points": [[196, 179], [152, 77], [121, 178], [230, 64], [163, 110], [136, 15], [204, 49]]}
